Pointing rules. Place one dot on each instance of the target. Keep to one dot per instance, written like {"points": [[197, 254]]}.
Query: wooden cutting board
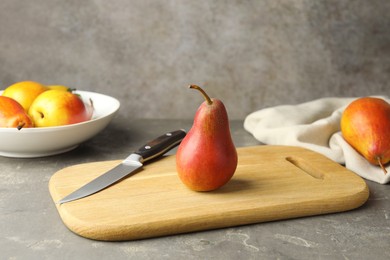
{"points": [[270, 183]]}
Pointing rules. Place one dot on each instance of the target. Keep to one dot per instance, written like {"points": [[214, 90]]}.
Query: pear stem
{"points": [[381, 165], [208, 99], [20, 126]]}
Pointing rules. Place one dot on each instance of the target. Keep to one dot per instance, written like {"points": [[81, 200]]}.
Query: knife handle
{"points": [[161, 145]]}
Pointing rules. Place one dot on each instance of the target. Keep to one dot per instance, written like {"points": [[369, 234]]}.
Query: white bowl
{"points": [[45, 141]]}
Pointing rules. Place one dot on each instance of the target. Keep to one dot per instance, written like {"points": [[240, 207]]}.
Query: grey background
{"points": [[249, 54]]}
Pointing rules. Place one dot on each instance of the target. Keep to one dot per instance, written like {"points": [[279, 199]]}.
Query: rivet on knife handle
{"points": [[129, 166]]}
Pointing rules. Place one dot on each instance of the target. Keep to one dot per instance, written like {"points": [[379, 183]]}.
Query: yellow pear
{"points": [[24, 92]]}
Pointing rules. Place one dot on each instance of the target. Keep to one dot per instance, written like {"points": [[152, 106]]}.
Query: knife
{"points": [[129, 166]]}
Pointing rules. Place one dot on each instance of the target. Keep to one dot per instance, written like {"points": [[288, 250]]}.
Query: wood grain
{"points": [[270, 183]]}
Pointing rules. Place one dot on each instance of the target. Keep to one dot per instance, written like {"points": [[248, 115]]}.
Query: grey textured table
{"points": [[30, 227]]}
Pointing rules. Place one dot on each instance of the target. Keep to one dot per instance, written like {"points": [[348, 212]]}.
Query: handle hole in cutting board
{"points": [[305, 167]]}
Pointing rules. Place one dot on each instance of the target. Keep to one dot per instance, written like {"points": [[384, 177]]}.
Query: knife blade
{"points": [[128, 166]]}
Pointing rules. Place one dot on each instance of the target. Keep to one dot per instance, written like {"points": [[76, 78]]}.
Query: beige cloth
{"points": [[314, 125]]}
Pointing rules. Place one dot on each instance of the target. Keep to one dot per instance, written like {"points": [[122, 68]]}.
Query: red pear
{"points": [[365, 125], [207, 158], [12, 114]]}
